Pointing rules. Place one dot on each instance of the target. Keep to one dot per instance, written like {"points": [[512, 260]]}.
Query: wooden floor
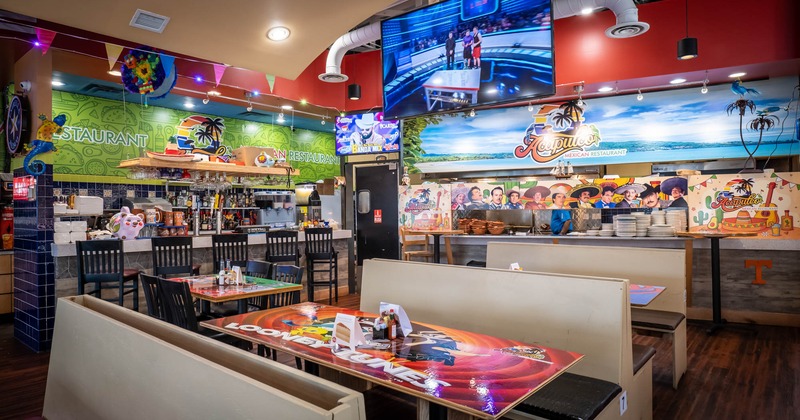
{"points": [[742, 372]]}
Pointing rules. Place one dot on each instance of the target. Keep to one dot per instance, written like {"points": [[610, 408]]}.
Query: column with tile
{"points": [[34, 274]]}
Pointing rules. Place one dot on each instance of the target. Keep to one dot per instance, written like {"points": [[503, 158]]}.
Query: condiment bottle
{"points": [[392, 325]]}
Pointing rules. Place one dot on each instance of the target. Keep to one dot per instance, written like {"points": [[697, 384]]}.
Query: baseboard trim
{"points": [[747, 317]]}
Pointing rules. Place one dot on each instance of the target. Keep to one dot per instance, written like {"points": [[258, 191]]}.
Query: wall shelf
{"points": [[229, 169]]}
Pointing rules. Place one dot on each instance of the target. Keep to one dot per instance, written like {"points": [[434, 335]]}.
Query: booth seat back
{"points": [[649, 266], [577, 313], [110, 362]]}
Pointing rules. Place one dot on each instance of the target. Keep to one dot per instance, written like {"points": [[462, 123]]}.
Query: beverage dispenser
{"points": [[276, 208]]}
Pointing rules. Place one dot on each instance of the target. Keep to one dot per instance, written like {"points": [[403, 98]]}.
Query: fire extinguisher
{"points": [[7, 227]]}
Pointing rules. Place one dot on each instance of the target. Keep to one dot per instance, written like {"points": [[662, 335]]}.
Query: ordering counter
{"points": [[138, 256], [758, 281]]}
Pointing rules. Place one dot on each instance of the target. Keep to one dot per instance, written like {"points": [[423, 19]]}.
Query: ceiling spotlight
{"points": [[354, 91], [738, 74], [530, 107], [188, 104], [256, 93], [280, 118], [278, 33], [303, 102], [205, 101], [213, 93], [605, 89], [639, 97], [56, 83], [322, 122], [198, 79], [704, 89], [471, 112], [687, 47], [286, 107], [249, 108], [342, 114], [115, 73], [587, 11], [37, 44], [677, 81]]}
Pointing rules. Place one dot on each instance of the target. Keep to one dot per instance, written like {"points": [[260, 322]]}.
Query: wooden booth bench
{"points": [[649, 266], [588, 315], [108, 362]]}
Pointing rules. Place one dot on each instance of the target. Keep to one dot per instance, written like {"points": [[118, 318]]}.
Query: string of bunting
{"points": [[785, 182], [701, 185]]}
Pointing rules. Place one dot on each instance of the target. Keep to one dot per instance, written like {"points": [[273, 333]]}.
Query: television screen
{"points": [[366, 133], [466, 53]]}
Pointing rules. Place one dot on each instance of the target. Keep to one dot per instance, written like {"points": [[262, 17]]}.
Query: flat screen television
{"points": [[366, 133], [466, 53]]}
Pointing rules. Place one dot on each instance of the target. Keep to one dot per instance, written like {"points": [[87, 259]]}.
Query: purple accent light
{"points": [[198, 79]]}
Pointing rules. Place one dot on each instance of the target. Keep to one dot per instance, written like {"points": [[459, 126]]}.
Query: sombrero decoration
{"points": [[560, 188], [513, 190], [677, 182], [637, 188], [530, 192], [593, 190], [743, 222]]}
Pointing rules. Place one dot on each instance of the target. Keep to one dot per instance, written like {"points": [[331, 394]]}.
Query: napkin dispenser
{"points": [[89, 205]]}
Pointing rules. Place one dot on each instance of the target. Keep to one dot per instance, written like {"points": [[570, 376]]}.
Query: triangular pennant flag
{"points": [[168, 62], [691, 188], [774, 175], [45, 38], [112, 52], [271, 81], [219, 70], [784, 182], [713, 177], [703, 183]]}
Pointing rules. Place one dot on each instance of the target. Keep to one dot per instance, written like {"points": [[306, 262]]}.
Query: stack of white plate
{"points": [[626, 225], [658, 217], [642, 223], [677, 219], [592, 232], [660, 230], [607, 230]]}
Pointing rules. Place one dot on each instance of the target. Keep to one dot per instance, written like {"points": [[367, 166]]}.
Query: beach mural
{"points": [[667, 126], [767, 205]]}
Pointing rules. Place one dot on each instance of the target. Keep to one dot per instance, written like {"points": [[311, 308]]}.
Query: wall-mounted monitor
{"points": [[466, 53], [366, 133]]}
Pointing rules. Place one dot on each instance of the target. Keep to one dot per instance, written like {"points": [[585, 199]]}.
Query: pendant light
{"points": [[687, 47], [354, 92]]}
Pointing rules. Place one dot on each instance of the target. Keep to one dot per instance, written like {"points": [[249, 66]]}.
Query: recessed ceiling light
{"points": [[303, 102], [188, 104], [278, 33], [214, 93], [605, 89], [677, 81], [286, 107], [116, 73], [56, 83], [587, 11], [739, 74], [198, 79]]}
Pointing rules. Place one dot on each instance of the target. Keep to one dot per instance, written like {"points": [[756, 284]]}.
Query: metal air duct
{"points": [[346, 42], [627, 14]]}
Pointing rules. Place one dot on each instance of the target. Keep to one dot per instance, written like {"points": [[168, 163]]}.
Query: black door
{"points": [[376, 212]]}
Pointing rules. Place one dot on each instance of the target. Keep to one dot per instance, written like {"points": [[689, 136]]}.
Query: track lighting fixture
{"points": [[206, 100], [639, 97], [704, 89], [530, 107], [471, 112]]}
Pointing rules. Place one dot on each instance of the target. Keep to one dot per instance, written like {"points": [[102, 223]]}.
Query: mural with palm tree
{"points": [[215, 127], [744, 187]]}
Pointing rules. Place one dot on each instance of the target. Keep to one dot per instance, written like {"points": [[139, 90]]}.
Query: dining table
{"points": [[716, 295], [208, 290], [642, 295], [437, 234], [473, 374]]}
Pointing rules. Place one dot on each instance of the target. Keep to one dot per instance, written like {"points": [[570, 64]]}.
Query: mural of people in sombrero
{"points": [[583, 194], [536, 196], [675, 188], [629, 193]]}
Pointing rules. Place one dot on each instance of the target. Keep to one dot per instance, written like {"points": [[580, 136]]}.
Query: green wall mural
{"points": [[99, 133]]}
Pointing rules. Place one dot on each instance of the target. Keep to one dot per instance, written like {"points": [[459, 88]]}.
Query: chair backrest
{"points": [[172, 256], [100, 261], [155, 307], [231, 246], [319, 242], [288, 274], [406, 241], [282, 246], [260, 269], [178, 307]]}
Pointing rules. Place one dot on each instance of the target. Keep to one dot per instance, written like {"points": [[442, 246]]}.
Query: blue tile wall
{"points": [[34, 269]]}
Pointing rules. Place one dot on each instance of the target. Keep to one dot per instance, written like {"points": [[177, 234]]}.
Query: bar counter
{"points": [[758, 280], [138, 256]]}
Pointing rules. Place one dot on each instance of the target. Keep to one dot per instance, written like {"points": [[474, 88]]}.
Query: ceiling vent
{"points": [[149, 21], [254, 114], [93, 89]]}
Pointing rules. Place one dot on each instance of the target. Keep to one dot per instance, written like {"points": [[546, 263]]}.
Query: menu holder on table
{"points": [[515, 266], [236, 275], [347, 332], [400, 313]]}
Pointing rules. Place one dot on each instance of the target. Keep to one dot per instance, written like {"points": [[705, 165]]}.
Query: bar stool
{"points": [[282, 247], [102, 263], [319, 251], [232, 246], [173, 256]]}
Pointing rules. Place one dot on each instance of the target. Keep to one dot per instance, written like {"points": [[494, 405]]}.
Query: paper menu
{"points": [[347, 331], [405, 323]]}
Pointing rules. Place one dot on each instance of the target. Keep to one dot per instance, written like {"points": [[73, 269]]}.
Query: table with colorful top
{"points": [[207, 289], [437, 234], [642, 295], [716, 298], [472, 373]]}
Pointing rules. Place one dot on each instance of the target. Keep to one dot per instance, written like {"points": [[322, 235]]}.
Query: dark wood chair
{"points": [[173, 256], [320, 252], [282, 247], [102, 263], [288, 274], [155, 307], [261, 269], [231, 246]]}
